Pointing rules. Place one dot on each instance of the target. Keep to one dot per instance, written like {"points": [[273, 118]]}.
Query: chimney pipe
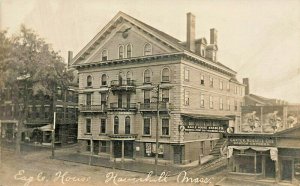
{"points": [[70, 57], [190, 36], [213, 36], [247, 88]]}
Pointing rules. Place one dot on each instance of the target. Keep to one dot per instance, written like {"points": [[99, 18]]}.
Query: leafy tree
{"points": [[28, 65]]}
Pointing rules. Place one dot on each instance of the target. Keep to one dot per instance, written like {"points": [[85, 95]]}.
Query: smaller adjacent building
{"points": [[274, 157]]}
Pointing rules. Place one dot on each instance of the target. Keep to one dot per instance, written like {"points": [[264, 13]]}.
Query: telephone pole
{"points": [[53, 135], [157, 124]]}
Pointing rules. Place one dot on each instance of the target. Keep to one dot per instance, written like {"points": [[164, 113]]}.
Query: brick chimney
{"points": [[190, 35], [247, 88], [213, 36], [70, 57]]}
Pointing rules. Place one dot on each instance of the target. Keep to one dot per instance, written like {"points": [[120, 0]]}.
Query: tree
{"points": [[30, 65]]}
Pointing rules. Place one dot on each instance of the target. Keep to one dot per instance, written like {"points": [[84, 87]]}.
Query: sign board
{"points": [[251, 141], [199, 128]]}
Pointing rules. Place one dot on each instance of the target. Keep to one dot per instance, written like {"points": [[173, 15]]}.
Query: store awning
{"points": [[273, 150], [207, 117], [46, 128]]}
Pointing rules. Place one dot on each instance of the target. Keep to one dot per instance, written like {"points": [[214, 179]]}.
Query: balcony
{"points": [[152, 107], [123, 85], [123, 107], [92, 108]]}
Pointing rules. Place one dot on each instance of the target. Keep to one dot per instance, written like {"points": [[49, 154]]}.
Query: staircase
{"points": [[222, 142]]}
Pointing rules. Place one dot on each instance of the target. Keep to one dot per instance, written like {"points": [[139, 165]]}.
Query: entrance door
{"points": [[270, 168], [128, 148], [117, 149], [286, 171], [177, 154]]}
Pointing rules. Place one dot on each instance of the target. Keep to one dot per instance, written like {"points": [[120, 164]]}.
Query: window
{"points": [[103, 98], [211, 81], [221, 85], [235, 105], [165, 75], [88, 125], [47, 112], [221, 104], [116, 125], [89, 81], [211, 102], [147, 98], [121, 52], [147, 126], [104, 55], [186, 74], [127, 125], [165, 127], [165, 95], [147, 49], [129, 50], [104, 80], [202, 79], [59, 94], [104, 146], [103, 126], [202, 146], [228, 86], [147, 78], [236, 90], [228, 104], [202, 100], [89, 99], [186, 97]]}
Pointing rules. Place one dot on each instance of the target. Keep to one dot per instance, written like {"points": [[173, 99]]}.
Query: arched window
{"points": [[104, 80], [89, 81], [147, 49], [104, 55], [129, 50], [147, 77], [121, 52], [127, 125], [116, 125], [165, 75]]}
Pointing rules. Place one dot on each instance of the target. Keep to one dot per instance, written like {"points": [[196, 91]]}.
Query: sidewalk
{"points": [[133, 166]]}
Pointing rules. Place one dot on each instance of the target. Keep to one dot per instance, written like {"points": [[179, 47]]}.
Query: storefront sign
{"points": [[198, 128], [251, 141]]}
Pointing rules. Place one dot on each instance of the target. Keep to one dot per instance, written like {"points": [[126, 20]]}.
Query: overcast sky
{"points": [[259, 39]]}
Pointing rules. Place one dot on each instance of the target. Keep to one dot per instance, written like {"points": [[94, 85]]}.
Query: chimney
{"points": [[247, 88], [190, 35], [70, 57], [213, 36]]}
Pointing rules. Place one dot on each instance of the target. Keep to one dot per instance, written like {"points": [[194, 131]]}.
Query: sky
{"points": [[259, 39]]}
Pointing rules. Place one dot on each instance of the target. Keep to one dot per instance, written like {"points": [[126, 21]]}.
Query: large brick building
{"points": [[122, 69], [39, 118]]}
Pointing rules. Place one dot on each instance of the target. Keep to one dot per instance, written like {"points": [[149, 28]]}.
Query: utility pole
{"points": [[157, 124], [0, 144], [53, 134]]}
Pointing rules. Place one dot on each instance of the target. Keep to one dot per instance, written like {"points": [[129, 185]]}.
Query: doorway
{"points": [[128, 149], [270, 168], [117, 149], [286, 170], [177, 154]]}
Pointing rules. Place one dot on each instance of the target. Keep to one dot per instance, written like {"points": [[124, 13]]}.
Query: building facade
{"points": [[39, 119], [133, 78]]}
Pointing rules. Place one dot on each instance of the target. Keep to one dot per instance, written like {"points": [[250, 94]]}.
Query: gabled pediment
{"points": [[290, 132], [125, 30]]}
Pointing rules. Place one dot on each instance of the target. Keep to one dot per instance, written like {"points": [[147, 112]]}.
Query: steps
{"points": [[216, 150]]}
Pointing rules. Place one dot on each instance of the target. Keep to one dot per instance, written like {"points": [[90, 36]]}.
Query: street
{"points": [[37, 168]]}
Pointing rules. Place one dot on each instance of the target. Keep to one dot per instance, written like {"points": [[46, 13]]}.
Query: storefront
{"points": [[274, 157]]}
